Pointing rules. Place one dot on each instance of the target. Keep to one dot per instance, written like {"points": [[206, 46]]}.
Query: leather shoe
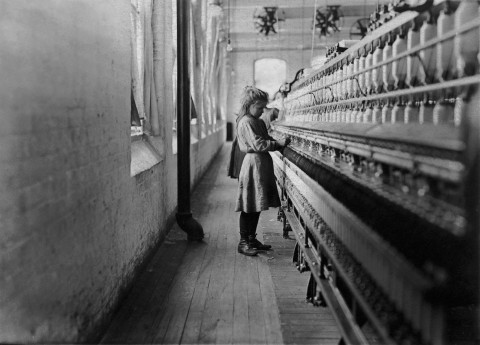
{"points": [[254, 243], [246, 249]]}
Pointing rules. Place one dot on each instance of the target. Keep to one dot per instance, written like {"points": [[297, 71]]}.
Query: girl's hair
{"points": [[251, 95]]}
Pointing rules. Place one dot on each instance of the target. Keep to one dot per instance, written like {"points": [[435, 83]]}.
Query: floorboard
{"points": [[207, 293], [301, 322]]}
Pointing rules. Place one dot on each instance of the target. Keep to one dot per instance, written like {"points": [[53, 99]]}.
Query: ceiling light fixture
{"points": [[265, 20], [329, 21]]}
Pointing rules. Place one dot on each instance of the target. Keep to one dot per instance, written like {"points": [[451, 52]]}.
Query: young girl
{"points": [[256, 188]]}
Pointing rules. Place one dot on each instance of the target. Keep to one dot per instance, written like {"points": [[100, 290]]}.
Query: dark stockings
{"points": [[248, 224]]}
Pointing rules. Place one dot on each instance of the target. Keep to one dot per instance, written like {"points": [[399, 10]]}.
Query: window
{"points": [[270, 74], [135, 120], [137, 112]]}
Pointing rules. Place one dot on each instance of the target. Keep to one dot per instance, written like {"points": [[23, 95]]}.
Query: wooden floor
{"points": [[207, 293]]}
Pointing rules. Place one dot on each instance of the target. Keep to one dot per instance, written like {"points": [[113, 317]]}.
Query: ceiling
{"points": [[295, 32]]}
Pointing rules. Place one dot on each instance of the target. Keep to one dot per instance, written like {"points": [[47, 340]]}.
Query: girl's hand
{"points": [[283, 142]]}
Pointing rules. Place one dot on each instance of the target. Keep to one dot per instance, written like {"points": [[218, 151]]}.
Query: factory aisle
{"points": [[205, 292]]}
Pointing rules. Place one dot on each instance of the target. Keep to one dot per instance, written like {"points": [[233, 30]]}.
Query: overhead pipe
{"points": [[184, 216]]}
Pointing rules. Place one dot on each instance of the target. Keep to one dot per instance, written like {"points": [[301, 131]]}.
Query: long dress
{"points": [[256, 188]]}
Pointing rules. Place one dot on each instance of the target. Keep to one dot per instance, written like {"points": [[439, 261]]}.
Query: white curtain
{"points": [[152, 62], [214, 19], [163, 58], [137, 42]]}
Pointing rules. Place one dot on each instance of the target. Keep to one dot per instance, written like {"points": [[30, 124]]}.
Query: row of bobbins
{"points": [[448, 59]]}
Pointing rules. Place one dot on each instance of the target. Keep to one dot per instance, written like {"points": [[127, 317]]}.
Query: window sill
{"points": [[147, 152]]}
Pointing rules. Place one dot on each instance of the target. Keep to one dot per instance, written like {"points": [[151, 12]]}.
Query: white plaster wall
{"points": [[64, 98]]}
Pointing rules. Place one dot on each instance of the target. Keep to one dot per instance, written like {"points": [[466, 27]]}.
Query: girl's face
{"points": [[256, 109]]}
